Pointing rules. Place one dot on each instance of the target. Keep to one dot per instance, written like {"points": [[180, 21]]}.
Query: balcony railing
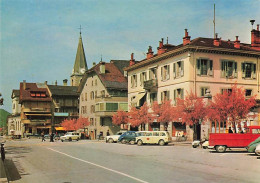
{"points": [[151, 84]]}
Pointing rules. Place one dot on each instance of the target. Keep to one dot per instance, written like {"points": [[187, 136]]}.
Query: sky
{"points": [[39, 38]]}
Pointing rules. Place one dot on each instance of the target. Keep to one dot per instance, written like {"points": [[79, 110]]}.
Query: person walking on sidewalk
{"points": [[43, 139]]}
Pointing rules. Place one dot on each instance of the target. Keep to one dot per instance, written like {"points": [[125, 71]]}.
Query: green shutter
{"points": [[175, 95], [243, 70], [211, 67], [182, 68], [174, 70], [235, 70], [198, 67], [182, 93], [111, 106], [123, 106], [223, 68], [254, 71], [168, 72], [162, 74]]}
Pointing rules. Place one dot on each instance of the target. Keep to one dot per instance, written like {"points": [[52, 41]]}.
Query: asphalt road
{"points": [[99, 162]]}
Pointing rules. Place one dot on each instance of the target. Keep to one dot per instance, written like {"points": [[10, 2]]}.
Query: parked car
{"points": [[35, 135], [257, 150], [252, 146], [114, 138], [70, 136], [155, 137], [128, 137]]}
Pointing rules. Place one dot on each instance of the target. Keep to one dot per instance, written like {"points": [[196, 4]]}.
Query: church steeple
{"points": [[80, 65]]}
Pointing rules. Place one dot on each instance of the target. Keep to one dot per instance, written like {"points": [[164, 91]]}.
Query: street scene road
{"points": [[97, 161]]}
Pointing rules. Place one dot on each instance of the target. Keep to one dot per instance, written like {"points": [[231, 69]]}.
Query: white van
{"points": [[153, 137]]}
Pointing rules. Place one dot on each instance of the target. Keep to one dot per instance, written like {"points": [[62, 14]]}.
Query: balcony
{"points": [[151, 85], [37, 110]]}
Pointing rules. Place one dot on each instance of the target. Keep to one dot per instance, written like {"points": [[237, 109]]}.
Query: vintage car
{"points": [[153, 137], [114, 138], [252, 146], [70, 136]]}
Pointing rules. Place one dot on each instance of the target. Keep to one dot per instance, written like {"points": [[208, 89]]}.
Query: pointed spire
{"points": [[80, 65]]}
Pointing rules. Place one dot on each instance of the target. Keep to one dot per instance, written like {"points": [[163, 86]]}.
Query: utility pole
{"points": [[214, 22]]}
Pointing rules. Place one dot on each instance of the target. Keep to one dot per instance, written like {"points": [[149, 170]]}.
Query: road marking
{"points": [[109, 169]]}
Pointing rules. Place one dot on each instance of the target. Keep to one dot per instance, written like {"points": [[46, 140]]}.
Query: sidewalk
{"points": [[3, 177]]}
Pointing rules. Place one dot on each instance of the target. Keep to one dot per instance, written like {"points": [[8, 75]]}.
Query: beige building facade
{"points": [[198, 65], [103, 91]]}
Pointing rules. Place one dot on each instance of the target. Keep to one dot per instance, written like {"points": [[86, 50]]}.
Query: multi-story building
{"points": [[35, 108], [195, 65], [103, 91], [64, 103], [80, 65], [15, 127]]}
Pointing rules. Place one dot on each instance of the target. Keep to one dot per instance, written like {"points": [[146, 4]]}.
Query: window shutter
{"points": [[168, 72], [162, 74], [182, 68], [243, 70], [150, 74], [211, 67], [161, 96], [182, 96], [198, 67], [174, 70], [235, 69], [222, 68], [254, 71], [175, 93], [168, 95], [132, 81]]}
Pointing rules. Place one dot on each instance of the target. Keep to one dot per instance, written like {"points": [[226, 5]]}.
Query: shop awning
{"points": [[138, 98], [59, 128]]}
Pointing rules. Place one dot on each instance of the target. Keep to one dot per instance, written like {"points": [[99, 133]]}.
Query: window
{"points": [[165, 72], [123, 106], [142, 78], [153, 97], [178, 69], [153, 73], [248, 93], [165, 95], [178, 93], [111, 106], [95, 82], [133, 81], [204, 67], [228, 69], [203, 91], [102, 93], [82, 97], [92, 109], [228, 90], [248, 70], [91, 121], [92, 95], [92, 83], [86, 96], [95, 94]]}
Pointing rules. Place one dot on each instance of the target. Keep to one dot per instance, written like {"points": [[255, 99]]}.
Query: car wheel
{"points": [[161, 142], [123, 141], [139, 142], [70, 139], [77, 139], [132, 142], [61, 140], [221, 149], [110, 140], [194, 146], [257, 153], [204, 147]]}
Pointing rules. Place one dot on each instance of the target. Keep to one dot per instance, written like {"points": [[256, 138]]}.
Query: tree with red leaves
{"points": [[69, 124], [231, 106], [140, 116], [164, 112], [120, 117], [75, 124], [82, 123], [192, 111]]}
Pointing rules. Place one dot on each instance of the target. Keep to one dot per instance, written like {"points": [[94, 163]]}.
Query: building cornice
{"points": [[193, 48]]}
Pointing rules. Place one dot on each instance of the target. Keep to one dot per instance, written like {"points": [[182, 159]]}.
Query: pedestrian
{"points": [[229, 130], [51, 137], [108, 133], [42, 134]]}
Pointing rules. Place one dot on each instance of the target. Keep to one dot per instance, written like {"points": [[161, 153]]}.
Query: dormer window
{"points": [[38, 94]]}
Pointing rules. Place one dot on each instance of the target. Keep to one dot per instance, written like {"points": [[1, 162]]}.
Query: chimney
{"points": [[186, 39], [149, 54], [160, 48], [56, 83], [216, 40], [94, 63], [132, 61], [255, 38], [24, 84], [45, 82], [65, 81], [237, 43], [102, 68]]}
